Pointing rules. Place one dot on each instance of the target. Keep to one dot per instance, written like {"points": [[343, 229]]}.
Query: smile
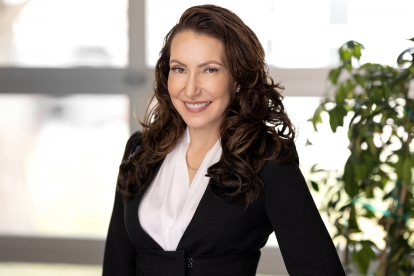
{"points": [[197, 105]]}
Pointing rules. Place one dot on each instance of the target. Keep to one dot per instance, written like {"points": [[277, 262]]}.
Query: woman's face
{"points": [[199, 81]]}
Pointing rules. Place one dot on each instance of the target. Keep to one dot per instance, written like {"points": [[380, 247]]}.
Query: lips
{"points": [[196, 106]]}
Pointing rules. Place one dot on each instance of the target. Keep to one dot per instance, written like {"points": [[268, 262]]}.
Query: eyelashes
{"points": [[178, 70], [209, 70]]}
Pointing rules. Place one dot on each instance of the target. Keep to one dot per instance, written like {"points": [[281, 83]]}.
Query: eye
{"points": [[178, 70], [211, 70]]}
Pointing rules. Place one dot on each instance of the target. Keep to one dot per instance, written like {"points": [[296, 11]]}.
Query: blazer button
{"points": [[190, 262]]}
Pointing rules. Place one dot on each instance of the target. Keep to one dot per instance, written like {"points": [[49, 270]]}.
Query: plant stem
{"points": [[399, 210], [384, 257], [347, 253], [403, 195]]}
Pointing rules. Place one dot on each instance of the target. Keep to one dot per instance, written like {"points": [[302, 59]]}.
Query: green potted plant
{"points": [[377, 180]]}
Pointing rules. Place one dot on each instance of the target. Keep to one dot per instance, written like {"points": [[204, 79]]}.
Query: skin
{"points": [[200, 87]]}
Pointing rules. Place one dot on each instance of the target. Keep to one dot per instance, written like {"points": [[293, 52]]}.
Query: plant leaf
{"points": [[359, 79], [400, 59], [341, 94], [315, 186], [363, 258], [345, 55], [369, 214], [316, 118], [346, 206], [336, 116], [334, 74], [357, 52], [351, 187]]}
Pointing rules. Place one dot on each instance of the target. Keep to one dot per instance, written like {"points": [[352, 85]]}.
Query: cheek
{"points": [[172, 91], [173, 86], [227, 94], [227, 100]]}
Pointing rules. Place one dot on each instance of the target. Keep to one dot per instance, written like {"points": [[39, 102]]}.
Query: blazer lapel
{"points": [[142, 239], [138, 236]]}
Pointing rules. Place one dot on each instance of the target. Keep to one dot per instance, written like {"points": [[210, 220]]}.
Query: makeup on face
{"points": [[199, 82]]}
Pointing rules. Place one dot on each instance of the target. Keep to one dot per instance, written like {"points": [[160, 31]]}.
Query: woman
{"points": [[214, 171]]}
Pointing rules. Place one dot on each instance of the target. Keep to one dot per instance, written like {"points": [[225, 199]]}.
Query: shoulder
{"points": [[133, 143], [135, 139], [274, 169], [281, 176], [286, 160], [285, 187]]}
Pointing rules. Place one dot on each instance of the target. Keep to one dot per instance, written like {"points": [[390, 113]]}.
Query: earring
{"points": [[238, 89]]}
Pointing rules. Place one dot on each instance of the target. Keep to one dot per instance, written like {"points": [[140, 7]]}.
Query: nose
{"points": [[192, 88]]}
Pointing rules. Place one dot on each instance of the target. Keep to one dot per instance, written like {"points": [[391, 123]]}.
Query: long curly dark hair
{"points": [[255, 129]]}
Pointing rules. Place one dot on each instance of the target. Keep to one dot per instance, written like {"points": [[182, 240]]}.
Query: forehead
{"points": [[196, 47]]}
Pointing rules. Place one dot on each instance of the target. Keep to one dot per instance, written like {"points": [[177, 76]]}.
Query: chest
{"points": [[217, 227]]}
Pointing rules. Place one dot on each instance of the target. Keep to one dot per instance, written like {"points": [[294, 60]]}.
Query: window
{"points": [[59, 162], [301, 33], [64, 33]]}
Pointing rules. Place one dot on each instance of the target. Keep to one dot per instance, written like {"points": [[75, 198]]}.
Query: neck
{"points": [[202, 139]]}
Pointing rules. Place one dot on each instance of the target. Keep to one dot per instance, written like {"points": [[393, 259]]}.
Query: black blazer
{"points": [[225, 239]]}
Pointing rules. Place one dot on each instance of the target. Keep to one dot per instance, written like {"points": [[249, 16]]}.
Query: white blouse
{"points": [[170, 202]]}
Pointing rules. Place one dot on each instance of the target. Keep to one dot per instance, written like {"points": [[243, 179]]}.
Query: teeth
{"points": [[197, 105]]}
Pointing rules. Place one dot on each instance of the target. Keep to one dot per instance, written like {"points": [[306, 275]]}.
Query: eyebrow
{"points": [[201, 65]]}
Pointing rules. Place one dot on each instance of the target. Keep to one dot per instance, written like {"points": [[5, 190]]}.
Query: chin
{"points": [[202, 124], [195, 122], [195, 125]]}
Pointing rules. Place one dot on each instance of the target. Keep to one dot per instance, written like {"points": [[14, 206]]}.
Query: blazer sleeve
{"points": [[304, 241], [120, 253]]}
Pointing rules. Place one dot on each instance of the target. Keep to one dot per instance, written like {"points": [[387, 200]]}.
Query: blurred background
{"points": [[73, 72]]}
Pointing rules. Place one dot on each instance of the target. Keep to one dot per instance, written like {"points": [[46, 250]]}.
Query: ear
{"points": [[236, 87]]}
